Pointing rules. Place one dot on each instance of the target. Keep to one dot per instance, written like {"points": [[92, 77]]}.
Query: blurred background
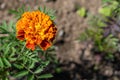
{"points": [[74, 65]]}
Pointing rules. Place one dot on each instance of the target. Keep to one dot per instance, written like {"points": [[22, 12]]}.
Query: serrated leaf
{"points": [[45, 76], [21, 74]]}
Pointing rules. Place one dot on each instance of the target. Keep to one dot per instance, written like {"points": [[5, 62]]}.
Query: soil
{"points": [[76, 60]]}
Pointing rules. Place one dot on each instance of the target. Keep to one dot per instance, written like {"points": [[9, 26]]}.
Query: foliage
{"points": [[108, 9], [18, 12], [82, 12], [49, 12], [21, 10], [105, 1], [16, 60], [104, 29], [95, 33]]}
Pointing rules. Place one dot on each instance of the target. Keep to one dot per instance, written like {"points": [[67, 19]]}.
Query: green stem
{"points": [[30, 71]]}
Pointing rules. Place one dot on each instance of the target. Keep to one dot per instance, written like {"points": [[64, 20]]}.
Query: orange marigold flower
{"points": [[37, 29]]}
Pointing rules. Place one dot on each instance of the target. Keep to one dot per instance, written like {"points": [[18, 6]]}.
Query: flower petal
{"points": [[30, 45], [45, 44], [20, 35]]}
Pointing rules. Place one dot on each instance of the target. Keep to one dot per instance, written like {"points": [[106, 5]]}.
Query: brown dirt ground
{"points": [[68, 22], [70, 25]]}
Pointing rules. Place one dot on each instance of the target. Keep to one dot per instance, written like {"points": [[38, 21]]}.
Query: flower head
{"points": [[37, 29]]}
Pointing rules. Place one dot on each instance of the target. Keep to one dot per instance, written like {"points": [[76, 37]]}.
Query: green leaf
{"points": [[101, 23], [47, 62], [18, 12], [3, 30], [38, 70], [13, 52], [7, 49], [83, 37], [31, 55], [18, 66], [58, 70], [45, 10], [1, 63], [106, 11], [49, 12], [11, 24], [29, 9], [5, 25], [46, 76], [6, 62], [5, 78], [13, 11], [82, 12], [21, 74], [30, 77], [31, 65], [105, 1], [12, 59], [41, 9], [110, 56]]}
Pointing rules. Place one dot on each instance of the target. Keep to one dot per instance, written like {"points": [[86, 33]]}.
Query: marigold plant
{"points": [[37, 29], [19, 55]]}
